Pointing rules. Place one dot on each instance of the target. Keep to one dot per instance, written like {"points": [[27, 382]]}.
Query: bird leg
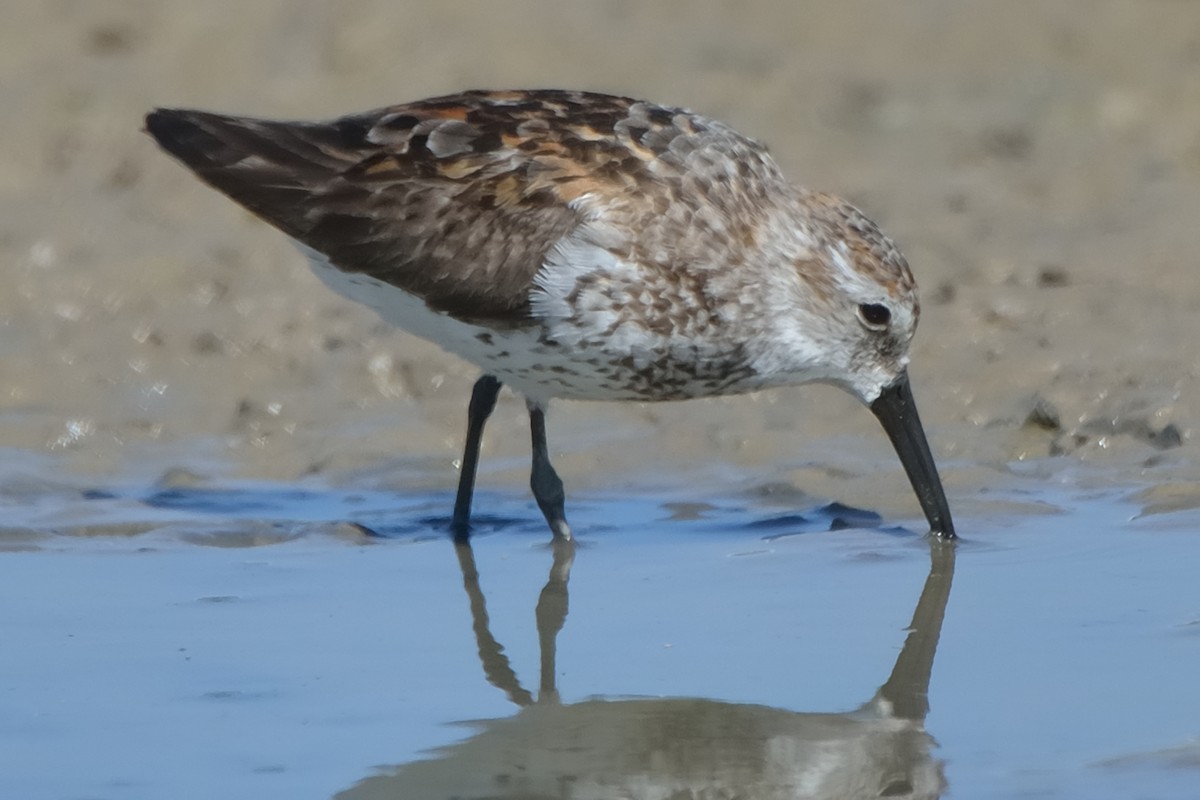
{"points": [[547, 486], [483, 402]]}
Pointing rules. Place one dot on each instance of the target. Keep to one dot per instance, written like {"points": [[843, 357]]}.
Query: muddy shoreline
{"points": [[1041, 170]]}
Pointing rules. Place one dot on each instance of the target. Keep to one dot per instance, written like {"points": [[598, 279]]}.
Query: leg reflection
{"points": [[496, 667], [551, 615]]}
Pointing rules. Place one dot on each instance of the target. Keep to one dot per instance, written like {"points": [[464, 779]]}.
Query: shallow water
{"points": [[244, 640]]}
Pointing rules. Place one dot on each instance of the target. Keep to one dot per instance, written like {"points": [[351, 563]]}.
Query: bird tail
{"points": [[270, 168]]}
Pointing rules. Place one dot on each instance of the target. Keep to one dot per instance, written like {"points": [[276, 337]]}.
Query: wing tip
{"points": [[177, 131], [168, 124]]}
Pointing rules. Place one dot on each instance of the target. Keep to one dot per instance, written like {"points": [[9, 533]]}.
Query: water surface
{"points": [[246, 640]]}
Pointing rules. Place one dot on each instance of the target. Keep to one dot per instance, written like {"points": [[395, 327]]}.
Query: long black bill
{"points": [[898, 414]]}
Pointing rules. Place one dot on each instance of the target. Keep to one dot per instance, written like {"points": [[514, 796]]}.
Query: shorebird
{"points": [[582, 246]]}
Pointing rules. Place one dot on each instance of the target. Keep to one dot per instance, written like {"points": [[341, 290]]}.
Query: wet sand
{"points": [[1040, 168]]}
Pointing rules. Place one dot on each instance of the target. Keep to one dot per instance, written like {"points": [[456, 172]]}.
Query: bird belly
{"points": [[534, 362]]}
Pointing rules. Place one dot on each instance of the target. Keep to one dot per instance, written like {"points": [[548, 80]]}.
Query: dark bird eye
{"points": [[875, 315]]}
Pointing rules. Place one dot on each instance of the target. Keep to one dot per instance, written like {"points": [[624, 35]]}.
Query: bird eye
{"points": [[874, 315]]}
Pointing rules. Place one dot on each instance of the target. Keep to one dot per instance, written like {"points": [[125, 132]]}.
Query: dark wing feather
{"points": [[457, 200]]}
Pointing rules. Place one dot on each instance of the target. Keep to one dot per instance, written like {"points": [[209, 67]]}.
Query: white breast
{"points": [[583, 353]]}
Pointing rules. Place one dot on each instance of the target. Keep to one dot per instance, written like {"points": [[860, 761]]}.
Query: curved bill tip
{"points": [[897, 413]]}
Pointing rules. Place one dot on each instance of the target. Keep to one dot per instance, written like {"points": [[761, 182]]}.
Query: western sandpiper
{"points": [[583, 246]]}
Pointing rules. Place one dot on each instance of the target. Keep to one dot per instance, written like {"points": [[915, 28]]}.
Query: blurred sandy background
{"points": [[1039, 163]]}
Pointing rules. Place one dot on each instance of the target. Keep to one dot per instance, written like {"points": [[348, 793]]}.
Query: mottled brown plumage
{"points": [[460, 199], [581, 245]]}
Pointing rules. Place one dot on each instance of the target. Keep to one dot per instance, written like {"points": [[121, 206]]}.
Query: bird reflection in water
{"points": [[682, 748]]}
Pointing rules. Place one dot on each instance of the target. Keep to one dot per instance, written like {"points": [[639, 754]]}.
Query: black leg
{"points": [[483, 401], [547, 486]]}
